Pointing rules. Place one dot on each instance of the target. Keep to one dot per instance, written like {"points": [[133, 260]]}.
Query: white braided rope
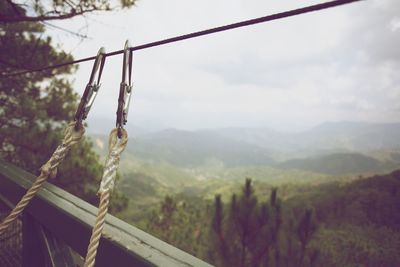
{"points": [[116, 147]]}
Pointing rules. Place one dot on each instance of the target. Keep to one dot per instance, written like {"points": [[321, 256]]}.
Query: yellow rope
{"points": [[72, 136], [116, 147], [97, 230]]}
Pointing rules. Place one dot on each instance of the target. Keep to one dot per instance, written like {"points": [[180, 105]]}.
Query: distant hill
{"points": [[359, 221], [185, 148], [356, 136], [330, 148], [326, 138], [103, 125], [337, 164], [190, 149]]}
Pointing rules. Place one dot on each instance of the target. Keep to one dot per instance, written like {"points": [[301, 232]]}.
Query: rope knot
{"points": [[49, 169], [116, 146], [71, 137]]}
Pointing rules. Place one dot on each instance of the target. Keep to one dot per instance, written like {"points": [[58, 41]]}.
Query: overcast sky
{"points": [[333, 65]]}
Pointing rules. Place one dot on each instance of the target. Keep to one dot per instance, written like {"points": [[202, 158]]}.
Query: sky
{"points": [[340, 64]]}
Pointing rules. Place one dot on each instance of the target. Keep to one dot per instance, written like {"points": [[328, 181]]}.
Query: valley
{"points": [[330, 169], [208, 162]]}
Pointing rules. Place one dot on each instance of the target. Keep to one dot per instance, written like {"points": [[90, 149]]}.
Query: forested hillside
{"points": [[234, 202], [360, 221], [338, 164], [202, 169], [333, 224]]}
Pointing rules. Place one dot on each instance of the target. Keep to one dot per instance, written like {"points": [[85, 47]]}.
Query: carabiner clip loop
{"points": [[125, 89], [91, 89]]}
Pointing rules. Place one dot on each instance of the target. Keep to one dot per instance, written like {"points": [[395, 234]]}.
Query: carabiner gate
{"points": [[125, 89], [91, 89]]}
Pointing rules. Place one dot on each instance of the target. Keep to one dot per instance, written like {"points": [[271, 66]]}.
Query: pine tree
{"points": [[305, 231], [35, 107], [162, 222], [219, 236], [249, 234]]}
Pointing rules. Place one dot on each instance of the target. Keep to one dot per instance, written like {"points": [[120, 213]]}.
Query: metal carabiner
{"points": [[125, 89], [91, 89]]}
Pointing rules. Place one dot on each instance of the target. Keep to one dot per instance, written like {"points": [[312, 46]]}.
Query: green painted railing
{"points": [[57, 217]]}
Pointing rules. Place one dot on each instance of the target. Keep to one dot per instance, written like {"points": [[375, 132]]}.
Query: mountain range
{"points": [[333, 148]]}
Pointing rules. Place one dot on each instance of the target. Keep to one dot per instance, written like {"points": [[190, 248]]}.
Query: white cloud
{"points": [[337, 64], [394, 24]]}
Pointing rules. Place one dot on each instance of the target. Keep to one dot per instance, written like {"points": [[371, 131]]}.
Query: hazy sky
{"points": [[338, 64]]}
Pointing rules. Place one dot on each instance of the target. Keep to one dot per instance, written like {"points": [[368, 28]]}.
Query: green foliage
{"points": [[372, 200], [338, 164], [250, 233], [305, 230], [35, 107], [346, 224], [30, 125], [181, 221], [13, 11], [360, 221], [351, 245], [164, 220]]}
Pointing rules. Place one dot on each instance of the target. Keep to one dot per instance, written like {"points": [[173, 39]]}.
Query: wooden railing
{"points": [[56, 222]]}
